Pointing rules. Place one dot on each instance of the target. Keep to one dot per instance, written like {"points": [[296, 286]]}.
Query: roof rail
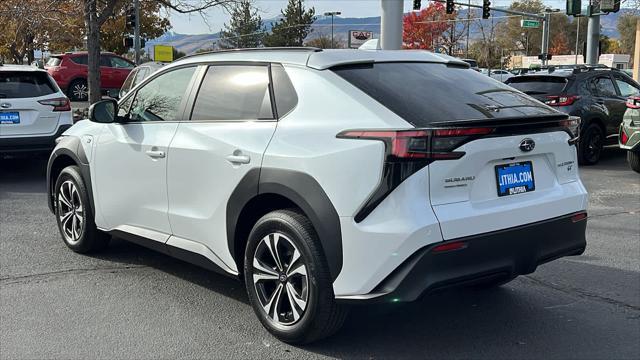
{"points": [[583, 67], [278, 48]]}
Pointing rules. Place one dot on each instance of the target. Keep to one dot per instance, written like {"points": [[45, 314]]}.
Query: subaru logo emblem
{"points": [[527, 145], [5, 105]]}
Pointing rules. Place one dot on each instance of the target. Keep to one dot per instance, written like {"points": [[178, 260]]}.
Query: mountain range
{"points": [[322, 26]]}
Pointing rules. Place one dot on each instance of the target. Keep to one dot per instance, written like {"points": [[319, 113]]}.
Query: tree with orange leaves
{"points": [[424, 29]]}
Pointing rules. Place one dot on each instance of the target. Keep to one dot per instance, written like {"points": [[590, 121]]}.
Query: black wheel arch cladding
{"points": [[69, 147], [303, 191]]}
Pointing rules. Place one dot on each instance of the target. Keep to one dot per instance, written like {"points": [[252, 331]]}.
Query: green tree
{"points": [[511, 36], [245, 30], [294, 27]]}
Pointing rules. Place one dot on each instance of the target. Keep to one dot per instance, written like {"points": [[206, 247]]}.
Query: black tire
{"points": [[590, 146], [322, 316], [72, 200], [633, 158], [78, 90]]}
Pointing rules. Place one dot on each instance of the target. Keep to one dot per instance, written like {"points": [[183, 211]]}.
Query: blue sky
{"points": [[195, 24]]}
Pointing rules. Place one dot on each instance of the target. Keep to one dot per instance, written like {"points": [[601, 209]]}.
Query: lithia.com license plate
{"points": [[515, 178]]}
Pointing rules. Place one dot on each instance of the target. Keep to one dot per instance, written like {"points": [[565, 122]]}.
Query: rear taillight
{"points": [[421, 145], [408, 151], [572, 126], [59, 104], [633, 102], [561, 100]]}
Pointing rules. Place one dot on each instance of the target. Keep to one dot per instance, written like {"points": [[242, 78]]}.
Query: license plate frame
{"points": [[516, 183], [9, 117]]}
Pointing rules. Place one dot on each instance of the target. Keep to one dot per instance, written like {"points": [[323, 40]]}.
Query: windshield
{"points": [[424, 93]]}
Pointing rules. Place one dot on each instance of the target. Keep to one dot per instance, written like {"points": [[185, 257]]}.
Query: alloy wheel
{"points": [[280, 279], [80, 91], [594, 147], [70, 212]]}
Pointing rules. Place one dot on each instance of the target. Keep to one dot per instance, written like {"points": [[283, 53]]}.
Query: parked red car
{"points": [[70, 72]]}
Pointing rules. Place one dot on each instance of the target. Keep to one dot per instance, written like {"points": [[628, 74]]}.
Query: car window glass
{"points": [[424, 93], [626, 89], [25, 84], [234, 92], [105, 61], [120, 63], [54, 61], [141, 75], [159, 100], [81, 60], [284, 92], [128, 83], [604, 86]]}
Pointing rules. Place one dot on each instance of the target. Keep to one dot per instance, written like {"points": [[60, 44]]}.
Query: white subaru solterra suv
{"points": [[325, 178]]}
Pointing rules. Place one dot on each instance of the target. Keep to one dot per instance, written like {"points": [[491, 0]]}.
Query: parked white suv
{"points": [[325, 177], [33, 110]]}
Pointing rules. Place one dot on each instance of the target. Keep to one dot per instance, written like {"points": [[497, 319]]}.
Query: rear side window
{"points": [[120, 63], [25, 84], [80, 60], [603, 86], [539, 85], [234, 92], [424, 93], [285, 94], [54, 61]]}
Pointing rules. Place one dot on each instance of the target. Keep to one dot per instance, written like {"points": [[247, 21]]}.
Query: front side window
{"points": [[128, 82], [626, 89], [159, 99], [234, 92]]}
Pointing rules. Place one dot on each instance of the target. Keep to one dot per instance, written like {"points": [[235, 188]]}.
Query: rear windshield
{"points": [[425, 93], [25, 84], [54, 61], [538, 85]]}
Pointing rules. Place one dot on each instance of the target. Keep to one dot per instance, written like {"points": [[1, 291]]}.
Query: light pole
{"points": [[332, 14]]}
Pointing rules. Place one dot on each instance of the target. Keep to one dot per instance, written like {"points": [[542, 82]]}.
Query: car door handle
{"points": [[156, 154], [238, 159]]}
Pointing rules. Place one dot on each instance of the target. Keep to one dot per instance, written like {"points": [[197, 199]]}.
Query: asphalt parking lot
{"points": [[130, 302]]}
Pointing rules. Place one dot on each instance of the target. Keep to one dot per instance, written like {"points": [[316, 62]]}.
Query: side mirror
{"points": [[103, 111]]}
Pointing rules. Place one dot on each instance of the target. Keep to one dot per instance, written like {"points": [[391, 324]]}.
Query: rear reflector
{"points": [[59, 104], [455, 245], [623, 137], [579, 217]]}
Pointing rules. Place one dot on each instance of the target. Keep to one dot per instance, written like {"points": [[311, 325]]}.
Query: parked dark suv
{"points": [[596, 94]]}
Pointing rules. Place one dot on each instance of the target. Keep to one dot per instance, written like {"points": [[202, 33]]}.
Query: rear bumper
{"points": [[31, 143], [500, 254]]}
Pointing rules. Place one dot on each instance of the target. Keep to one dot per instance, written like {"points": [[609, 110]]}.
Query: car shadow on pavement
{"points": [[129, 254]]}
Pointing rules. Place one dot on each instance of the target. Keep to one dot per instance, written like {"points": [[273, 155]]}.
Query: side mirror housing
{"points": [[104, 111]]}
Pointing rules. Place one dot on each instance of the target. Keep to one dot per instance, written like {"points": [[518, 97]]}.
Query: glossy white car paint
{"points": [[36, 119], [181, 198]]}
